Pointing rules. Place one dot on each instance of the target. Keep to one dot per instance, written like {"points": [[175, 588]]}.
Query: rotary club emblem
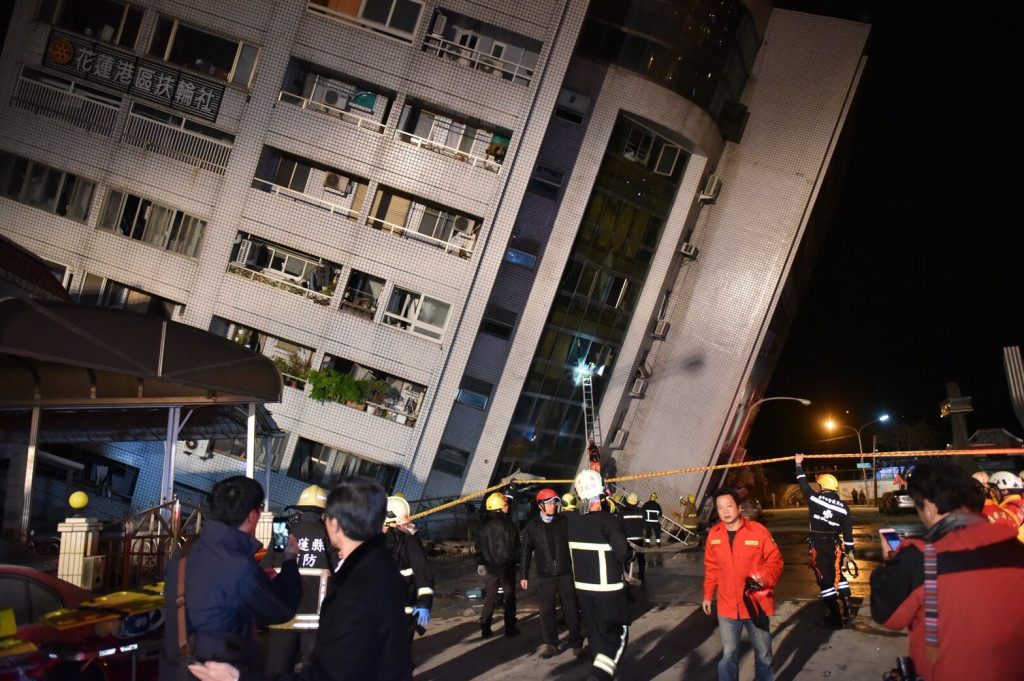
{"points": [[61, 50]]}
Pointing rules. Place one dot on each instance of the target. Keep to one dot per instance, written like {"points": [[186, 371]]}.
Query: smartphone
{"points": [[280, 533], [891, 537]]}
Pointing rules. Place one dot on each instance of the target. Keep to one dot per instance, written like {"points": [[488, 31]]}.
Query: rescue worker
{"points": [[594, 455], [992, 511], [829, 517], [652, 525], [292, 641], [599, 552], [407, 550], [546, 536], [497, 550], [1011, 490], [633, 524], [691, 519]]}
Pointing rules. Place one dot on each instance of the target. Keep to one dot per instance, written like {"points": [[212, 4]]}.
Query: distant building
{"points": [[452, 204]]}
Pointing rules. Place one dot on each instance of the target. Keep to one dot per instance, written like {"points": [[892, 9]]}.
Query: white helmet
{"points": [[589, 485], [398, 511], [1005, 480]]}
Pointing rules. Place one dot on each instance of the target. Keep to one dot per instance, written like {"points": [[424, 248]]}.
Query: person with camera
{"points": [[955, 587], [742, 565], [217, 593]]}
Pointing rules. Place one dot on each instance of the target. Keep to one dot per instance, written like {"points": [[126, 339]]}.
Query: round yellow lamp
{"points": [[78, 499]]}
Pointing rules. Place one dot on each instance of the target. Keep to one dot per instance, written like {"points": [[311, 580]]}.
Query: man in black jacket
{"points": [[408, 550], [497, 551], [547, 536], [633, 523]]}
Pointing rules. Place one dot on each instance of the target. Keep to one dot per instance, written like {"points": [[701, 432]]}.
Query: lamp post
{"points": [[831, 425], [746, 417]]}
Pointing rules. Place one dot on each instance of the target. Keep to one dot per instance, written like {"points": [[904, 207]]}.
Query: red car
{"points": [[66, 655]]}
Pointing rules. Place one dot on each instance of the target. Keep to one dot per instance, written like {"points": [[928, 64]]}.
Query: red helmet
{"points": [[546, 494]]}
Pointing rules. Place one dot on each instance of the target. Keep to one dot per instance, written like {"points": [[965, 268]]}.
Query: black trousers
{"points": [[506, 579], [826, 552], [284, 648], [652, 533], [547, 588], [606, 619]]}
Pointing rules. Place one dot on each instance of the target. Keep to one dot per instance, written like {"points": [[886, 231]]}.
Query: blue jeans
{"points": [[729, 668]]}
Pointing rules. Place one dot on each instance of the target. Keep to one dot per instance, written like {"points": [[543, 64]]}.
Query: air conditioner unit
{"points": [[619, 441], [248, 252], [336, 183], [661, 328], [573, 101], [440, 23], [639, 387], [331, 94], [645, 369], [689, 251], [711, 189], [463, 224]]}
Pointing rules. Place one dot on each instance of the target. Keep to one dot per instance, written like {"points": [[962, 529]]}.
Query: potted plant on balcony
{"points": [[334, 386], [293, 369]]}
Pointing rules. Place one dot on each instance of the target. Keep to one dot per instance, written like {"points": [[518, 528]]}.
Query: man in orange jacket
{"points": [[743, 565]]}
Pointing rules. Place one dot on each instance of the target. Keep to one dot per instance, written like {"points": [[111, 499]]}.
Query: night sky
{"points": [[916, 284]]}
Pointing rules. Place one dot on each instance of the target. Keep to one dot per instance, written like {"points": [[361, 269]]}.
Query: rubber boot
{"points": [[847, 608], [485, 629], [833, 618]]}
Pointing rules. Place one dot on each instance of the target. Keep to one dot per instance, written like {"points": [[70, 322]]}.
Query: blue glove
{"points": [[422, 616]]}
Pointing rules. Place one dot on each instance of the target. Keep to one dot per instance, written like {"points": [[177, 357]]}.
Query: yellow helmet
{"points": [[568, 501], [632, 498], [617, 498], [495, 502], [692, 498], [828, 481], [314, 496], [78, 499], [654, 496]]}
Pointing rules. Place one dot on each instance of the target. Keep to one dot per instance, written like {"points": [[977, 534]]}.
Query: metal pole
{"points": [[874, 466], [30, 471]]}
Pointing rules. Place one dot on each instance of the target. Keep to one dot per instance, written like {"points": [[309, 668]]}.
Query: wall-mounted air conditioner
{"points": [[645, 369], [619, 441], [639, 387], [440, 22], [330, 93], [248, 252], [689, 251], [711, 188], [463, 224], [339, 184], [661, 328]]}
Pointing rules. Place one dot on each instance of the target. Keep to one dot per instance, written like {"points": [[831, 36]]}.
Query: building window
{"points": [[319, 464], [471, 43], [409, 217], [108, 21], [462, 140], [292, 360], [46, 188], [235, 448], [64, 274], [524, 253], [204, 51], [498, 322], [417, 313], [547, 182], [308, 182], [474, 392], [143, 220], [361, 294], [97, 290], [385, 395], [283, 268], [451, 460], [396, 18]]}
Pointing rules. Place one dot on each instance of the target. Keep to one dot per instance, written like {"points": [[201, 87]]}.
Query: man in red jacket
{"points": [[743, 564]]}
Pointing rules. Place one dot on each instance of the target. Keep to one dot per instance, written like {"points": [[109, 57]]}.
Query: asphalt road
{"points": [[670, 638]]}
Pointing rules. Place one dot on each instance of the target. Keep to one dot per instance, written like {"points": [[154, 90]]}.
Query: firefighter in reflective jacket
{"points": [[407, 549], [652, 526], [829, 517], [633, 524], [599, 550]]}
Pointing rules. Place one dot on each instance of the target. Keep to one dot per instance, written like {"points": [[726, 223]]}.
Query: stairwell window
{"points": [[417, 313], [474, 392], [157, 225]]}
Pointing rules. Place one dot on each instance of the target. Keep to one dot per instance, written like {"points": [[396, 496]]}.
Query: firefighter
{"points": [[1011, 490], [691, 519], [295, 637], [599, 551], [992, 511], [407, 549], [594, 456], [633, 524], [829, 517], [652, 525]]}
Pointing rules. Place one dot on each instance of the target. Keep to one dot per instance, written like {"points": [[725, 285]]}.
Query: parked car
{"points": [[894, 503], [750, 509]]}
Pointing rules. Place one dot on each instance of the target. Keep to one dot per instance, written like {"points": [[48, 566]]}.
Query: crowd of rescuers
{"points": [[380, 585]]}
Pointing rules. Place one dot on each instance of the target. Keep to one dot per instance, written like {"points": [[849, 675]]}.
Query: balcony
{"points": [[490, 49], [430, 224], [174, 140], [353, 119], [285, 269], [487, 162], [78, 106], [309, 199]]}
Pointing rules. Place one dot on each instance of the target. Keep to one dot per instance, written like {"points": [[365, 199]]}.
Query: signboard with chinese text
{"points": [[123, 71]]}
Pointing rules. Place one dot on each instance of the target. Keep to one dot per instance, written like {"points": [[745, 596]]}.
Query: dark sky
{"points": [[916, 284]]}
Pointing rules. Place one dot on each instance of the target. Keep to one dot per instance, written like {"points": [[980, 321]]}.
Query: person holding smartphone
{"points": [[958, 588]]}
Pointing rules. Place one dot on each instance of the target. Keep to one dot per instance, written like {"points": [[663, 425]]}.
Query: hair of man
{"points": [[232, 500], [944, 484], [359, 506], [728, 491]]}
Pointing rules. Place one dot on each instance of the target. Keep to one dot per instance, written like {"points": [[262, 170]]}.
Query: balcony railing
{"points": [[280, 283], [70, 107], [450, 152], [177, 143], [475, 59], [359, 303], [459, 243], [315, 201], [361, 122]]}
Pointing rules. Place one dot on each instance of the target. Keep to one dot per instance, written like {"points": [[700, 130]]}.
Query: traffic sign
{"points": [[864, 465]]}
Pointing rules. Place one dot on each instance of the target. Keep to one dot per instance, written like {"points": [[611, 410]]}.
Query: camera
{"points": [[904, 671]]}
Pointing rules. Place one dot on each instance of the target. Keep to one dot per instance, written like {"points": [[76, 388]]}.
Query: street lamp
{"points": [[832, 425], [746, 417]]}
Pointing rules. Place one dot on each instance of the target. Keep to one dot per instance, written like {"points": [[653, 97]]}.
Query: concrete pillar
{"points": [[79, 541], [265, 529]]}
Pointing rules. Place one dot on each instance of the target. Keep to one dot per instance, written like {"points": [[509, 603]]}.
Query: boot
{"points": [[847, 608], [485, 629], [833, 618], [548, 652]]}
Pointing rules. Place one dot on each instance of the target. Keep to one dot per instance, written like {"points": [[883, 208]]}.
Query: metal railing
{"points": [[78, 110], [458, 244], [139, 556], [279, 283], [177, 143], [314, 201], [475, 59], [361, 122], [450, 152]]}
